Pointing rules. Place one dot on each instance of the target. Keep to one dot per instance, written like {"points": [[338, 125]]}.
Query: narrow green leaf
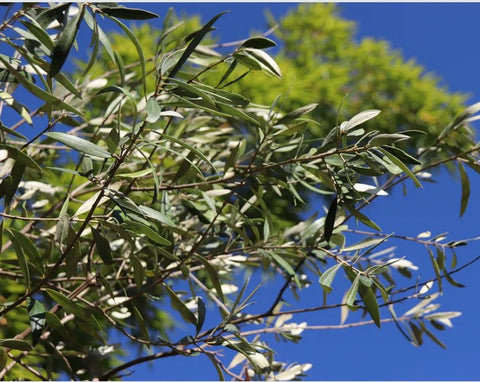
{"points": [[293, 115], [93, 25], [103, 247], [13, 343], [432, 336], [180, 306], [5, 185], [218, 367], [330, 220], [366, 294], [451, 281], [327, 277], [65, 42], [138, 271], [402, 155], [258, 43], [17, 174], [193, 44], [201, 312], [465, 188], [258, 60], [267, 63], [371, 303], [402, 165], [351, 293], [363, 244], [235, 112], [51, 14], [228, 72], [436, 268], [70, 306], [36, 29], [21, 258], [417, 334], [54, 322], [12, 132], [80, 145], [386, 139], [36, 312], [140, 228], [285, 265], [140, 321], [358, 119], [137, 174], [364, 219], [4, 359], [29, 249], [139, 49], [213, 274], [129, 13]]}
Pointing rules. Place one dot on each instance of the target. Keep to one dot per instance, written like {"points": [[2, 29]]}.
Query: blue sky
{"points": [[442, 38]]}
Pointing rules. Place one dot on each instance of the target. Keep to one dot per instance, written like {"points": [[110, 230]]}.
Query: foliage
{"points": [[150, 188]]}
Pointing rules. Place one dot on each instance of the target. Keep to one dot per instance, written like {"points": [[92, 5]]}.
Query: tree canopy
{"points": [[164, 179]]}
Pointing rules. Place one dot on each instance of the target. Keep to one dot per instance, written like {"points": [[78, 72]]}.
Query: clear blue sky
{"points": [[442, 38]]}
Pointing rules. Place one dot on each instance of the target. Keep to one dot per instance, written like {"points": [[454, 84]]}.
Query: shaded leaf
{"points": [[17, 174], [129, 13], [22, 260], [16, 344], [330, 220], [436, 268], [103, 247], [180, 306], [140, 228], [36, 312], [138, 271], [65, 42], [201, 312], [70, 306], [465, 188], [4, 358], [258, 43], [213, 274]]}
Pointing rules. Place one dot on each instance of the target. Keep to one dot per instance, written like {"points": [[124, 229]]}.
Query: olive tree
{"points": [[150, 201]]}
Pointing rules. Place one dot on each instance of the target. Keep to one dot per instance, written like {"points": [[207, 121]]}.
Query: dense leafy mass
{"points": [[163, 180]]}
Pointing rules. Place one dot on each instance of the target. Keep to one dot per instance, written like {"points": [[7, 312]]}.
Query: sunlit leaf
{"points": [[327, 277], [80, 144]]}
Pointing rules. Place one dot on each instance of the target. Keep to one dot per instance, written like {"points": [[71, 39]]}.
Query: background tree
{"points": [[144, 197]]}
